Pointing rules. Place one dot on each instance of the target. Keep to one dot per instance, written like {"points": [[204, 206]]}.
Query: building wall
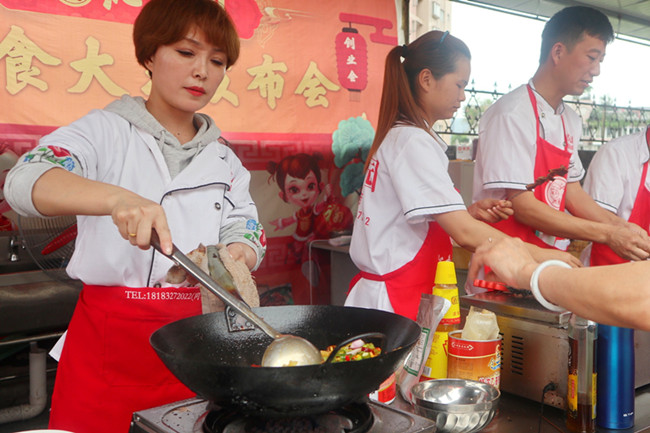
{"points": [[425, 15]]}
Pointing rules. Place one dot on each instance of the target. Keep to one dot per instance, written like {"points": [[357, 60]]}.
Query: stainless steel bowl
{"points": [[456, 405]]}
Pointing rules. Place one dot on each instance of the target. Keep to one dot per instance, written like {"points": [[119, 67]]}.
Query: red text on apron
{"points": [[601, 254], [406, 285], [547, 157], [107, 368]]}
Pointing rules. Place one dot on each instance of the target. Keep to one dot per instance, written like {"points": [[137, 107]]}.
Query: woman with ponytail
{"points": [[409, 209]]}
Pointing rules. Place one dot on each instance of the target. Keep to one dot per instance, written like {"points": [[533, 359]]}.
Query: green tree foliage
{"points": [[351, 143]]}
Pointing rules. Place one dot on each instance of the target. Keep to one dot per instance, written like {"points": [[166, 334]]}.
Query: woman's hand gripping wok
{"points": [[136, 216], [60, 192]]}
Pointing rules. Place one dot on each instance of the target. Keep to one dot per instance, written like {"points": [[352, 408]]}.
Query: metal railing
{"points": [[601, 122]]}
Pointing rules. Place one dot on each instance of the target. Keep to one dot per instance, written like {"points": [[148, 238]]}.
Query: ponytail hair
{"points": [[436, 51]]}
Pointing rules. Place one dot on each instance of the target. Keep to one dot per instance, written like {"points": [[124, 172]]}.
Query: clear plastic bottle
{"points": [[581, 384], [445, 287]]}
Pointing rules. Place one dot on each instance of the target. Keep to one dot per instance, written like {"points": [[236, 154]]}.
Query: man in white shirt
{"points": [[618, 181], [528, 139]]}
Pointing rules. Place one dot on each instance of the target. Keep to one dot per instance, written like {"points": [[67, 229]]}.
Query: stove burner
{"points": [[353, 418], [188, 416]]}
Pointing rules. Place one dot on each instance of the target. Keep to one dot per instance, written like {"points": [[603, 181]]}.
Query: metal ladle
{"points": [[284, 350]]}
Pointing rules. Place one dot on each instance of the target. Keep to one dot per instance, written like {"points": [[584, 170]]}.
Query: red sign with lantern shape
{"points": [[352, 59]]}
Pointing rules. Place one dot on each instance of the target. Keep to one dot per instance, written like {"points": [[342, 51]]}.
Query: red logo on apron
{"points": [[371, 177], [554, 192], [569, 143]]}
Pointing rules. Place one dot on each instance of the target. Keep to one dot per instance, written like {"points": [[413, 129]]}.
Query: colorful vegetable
{"points": [[355, 351]]}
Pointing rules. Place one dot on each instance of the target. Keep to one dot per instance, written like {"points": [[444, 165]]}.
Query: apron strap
{"points": [[405, 285], [533, 100]]}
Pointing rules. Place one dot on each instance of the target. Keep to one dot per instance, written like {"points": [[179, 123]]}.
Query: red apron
{"points": [[108, 369], [601, 254], [406, 284], [548, 157]]}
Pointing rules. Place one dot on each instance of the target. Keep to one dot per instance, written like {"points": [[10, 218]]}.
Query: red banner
{"points": [[309, 73]]}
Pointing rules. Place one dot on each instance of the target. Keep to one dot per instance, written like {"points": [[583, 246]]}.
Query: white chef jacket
{"points": [[210, 193], [407, 184], [615, 172], [505, 158]]}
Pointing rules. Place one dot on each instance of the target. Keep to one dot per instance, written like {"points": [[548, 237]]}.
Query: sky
{"points": [[505, 50]]}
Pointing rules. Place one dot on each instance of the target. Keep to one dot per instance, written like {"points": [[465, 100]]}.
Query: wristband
{"points": [[534, 284]]}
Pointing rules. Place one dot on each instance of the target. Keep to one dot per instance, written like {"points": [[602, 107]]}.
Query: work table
{"points": [[539, 337], [520, 415]]}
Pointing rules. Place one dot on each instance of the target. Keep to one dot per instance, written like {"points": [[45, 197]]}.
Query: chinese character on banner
{"points": [[352, 60], [19, 52]]}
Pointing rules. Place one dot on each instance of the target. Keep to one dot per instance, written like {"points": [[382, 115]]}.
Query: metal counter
{"points": [[35, 303], [520, 415], [517, 415]]}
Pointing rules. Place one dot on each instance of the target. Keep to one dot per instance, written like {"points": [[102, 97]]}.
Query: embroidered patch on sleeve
{"points": [[257, 236], [53, 155]]}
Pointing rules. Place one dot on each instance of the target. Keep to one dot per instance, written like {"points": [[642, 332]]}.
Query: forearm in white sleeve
{"points": [[248, 232], [19, 185]]}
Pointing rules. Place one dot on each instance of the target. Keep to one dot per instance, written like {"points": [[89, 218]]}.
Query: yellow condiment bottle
{"points": [[445, 287]]}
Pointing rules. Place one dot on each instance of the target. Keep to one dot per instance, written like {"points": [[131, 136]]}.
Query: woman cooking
{"points": [[409, 207], [136, 166]]}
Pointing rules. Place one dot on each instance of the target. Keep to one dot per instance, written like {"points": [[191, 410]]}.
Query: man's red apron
{"points": [[548, 157], [601, 254], [406, 284], [107, 368]]}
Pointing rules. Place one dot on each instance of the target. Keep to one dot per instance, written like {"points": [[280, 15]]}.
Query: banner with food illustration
{"points": [[298, 107]]}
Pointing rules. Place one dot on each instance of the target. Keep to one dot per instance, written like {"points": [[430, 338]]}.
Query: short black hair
{"points": [[569, 25]]}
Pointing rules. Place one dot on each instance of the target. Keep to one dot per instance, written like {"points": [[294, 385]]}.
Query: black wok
{"points": [[218, 365]]}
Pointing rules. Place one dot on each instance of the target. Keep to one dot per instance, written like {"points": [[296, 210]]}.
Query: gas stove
{"points": [[197, 416]]}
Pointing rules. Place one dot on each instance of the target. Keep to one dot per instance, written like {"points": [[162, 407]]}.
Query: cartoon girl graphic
{"points": [[299, 179]]}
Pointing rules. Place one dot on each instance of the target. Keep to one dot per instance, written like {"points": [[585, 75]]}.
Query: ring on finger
{"points": [[132, 235]]}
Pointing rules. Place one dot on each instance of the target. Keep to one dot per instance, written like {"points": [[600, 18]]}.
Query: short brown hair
{"points": [[164, 22]]}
